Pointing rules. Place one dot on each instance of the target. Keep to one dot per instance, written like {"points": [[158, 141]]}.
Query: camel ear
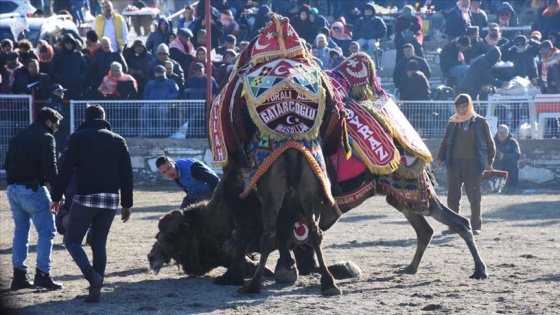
{"points": [[170, 221]]}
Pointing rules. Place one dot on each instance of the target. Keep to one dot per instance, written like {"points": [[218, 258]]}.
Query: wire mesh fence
{"points": [[15, 114], [149, 119]]}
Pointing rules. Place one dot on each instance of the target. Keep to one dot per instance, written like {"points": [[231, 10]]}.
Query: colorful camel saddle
{"points": [[264, 152]]}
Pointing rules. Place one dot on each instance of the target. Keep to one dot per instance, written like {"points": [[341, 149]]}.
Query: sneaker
{"points": [[448, 232], [476, 232], [44, 280], [21, 281]]}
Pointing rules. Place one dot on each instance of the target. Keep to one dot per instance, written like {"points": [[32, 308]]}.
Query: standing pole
{"points": [[208, 65]]}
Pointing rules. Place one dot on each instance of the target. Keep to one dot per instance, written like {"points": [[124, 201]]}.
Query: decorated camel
{"points": [[298, 139]]}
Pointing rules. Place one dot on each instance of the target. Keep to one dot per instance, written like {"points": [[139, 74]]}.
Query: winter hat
{"points": [[162, 49], [159, 69]]}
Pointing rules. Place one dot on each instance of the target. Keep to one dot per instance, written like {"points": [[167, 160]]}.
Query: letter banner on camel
{"points": [[371, 141]]}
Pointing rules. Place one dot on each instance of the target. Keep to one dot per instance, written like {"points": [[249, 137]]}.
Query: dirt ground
{"points": [[520, 244]]}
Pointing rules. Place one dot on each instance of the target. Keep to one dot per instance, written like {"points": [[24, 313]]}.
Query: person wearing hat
{"points": [[69, 68], [506, 17], [162, 54], [8, 72], [103, 173], [550, 68], [302, 25], [112, 25], [452, 60], [318, 21], [369, 29], [400, 77], [31, 81], [55, 101], [154, 117], [138, 59], [201, 57], [322, 48], [198, 79], [181, 49], [30, 164], [494, 38], [408, 30], [337, 57], [159, 35], [479, 79], [522, 54], [467, 150]]}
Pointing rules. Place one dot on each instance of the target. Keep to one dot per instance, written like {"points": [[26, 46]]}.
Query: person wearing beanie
{"points": [[302, 25], [467, 150], [162, 54], [337, 57], [480, 80], [522, 53], [317, 20], [101, 170], [408, 30], [368, 30]]}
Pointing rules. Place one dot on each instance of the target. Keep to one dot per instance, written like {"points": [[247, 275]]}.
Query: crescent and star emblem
{"points": [[278, 70], [292, 120], [258, 46]]}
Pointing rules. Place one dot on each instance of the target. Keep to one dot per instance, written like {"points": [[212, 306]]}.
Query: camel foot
{"points": [[228, 279], [331, 291], [479, 275], [249, 289], [410, 270], [286, 275]]}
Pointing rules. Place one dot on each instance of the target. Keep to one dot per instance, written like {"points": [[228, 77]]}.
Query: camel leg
{"points": [[272, 187], [462, 226], [311, 206], [423, 229], [236, 270]]}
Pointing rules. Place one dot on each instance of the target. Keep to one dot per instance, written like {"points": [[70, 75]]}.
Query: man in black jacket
{"points": [[100, 161], [507, 157], [400, 77], [30, 164], [69, 68]]}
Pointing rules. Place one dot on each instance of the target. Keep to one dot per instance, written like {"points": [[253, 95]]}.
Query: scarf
{"points": [[456, 118], [109, 84], [549, 61]]}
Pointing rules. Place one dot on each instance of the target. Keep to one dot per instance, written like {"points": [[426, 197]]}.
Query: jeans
{"points": [[28, 206], [81, 217]]}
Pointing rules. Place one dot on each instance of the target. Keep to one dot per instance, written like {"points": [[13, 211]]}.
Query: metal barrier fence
{"points": [[15, 114], [429, 118], [176, 119]]}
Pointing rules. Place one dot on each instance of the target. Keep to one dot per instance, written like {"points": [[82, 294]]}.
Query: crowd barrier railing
{"points": [[16, 113], [149, 119]]}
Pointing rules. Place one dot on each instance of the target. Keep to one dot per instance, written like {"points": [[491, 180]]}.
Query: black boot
{"points": [[44, 280], [21, 281], [95, 284]]}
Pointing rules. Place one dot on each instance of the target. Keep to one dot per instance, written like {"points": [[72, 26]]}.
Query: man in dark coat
{"points": [[507, 157], [31, 81], [452, 59], [30, 164], [418, 89], [479, 78], [138, 59], [400, 76], [100, 161], [69, 68], [457, 20], [369, 29]]}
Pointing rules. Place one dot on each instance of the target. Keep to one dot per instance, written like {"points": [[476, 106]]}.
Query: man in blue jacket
{"points": [[154, 116], [193, 176]]}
